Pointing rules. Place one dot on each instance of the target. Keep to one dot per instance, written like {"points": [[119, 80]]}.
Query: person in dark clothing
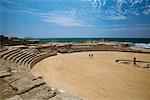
{"points": [[89, 56]]}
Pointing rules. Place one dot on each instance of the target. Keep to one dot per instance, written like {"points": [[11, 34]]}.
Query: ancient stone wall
{"points": [[41, 57], [17, 82]]}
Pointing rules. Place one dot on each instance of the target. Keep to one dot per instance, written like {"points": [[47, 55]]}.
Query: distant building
{"points": [[2, 37]]}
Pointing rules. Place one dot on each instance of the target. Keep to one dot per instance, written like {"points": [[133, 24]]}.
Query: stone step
{"points": [[16, 56], [27, 63], [40, 57], [17, 75], [11, 53], [3, 67], [4, 73], [20, 55], [27, 59], [32, 59], [3, 49], [44, 94], [6, 52], [23, 58], [39, 93], [16, 97], [25, 84]]}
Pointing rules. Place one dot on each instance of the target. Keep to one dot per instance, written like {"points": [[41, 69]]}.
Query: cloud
{"points": [[126, 27], [116, 17], [64, 21], [10, 6], [65, 18], [113, 14], [72, 12], [133, 2], [105, 10], [59, 17], [120, 9], [147, 10]]}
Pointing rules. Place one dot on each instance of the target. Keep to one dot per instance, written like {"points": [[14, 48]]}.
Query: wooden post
{"points": [[134, 61]]}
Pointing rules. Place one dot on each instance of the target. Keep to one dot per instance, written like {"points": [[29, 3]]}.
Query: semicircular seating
{"points": [[27, 58], [23, 58], [13, 56], [28, 62], [6, 52], [40, 57], [14, 59], [11, 53], [16, 56]]}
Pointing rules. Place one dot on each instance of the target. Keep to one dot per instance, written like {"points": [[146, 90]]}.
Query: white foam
{"points": [[142, 45]]}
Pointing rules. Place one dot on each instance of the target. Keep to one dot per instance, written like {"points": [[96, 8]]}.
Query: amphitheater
{"points": [[17, 81]]}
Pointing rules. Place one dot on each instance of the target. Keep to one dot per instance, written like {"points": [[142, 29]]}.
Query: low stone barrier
{"points": [[45, 55], [80, 48]]}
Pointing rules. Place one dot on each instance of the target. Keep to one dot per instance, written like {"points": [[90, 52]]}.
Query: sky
{"points": [[75, 18]]}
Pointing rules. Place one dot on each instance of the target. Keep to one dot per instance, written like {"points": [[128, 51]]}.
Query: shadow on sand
{"points": [[135, 63], [131, 61]]}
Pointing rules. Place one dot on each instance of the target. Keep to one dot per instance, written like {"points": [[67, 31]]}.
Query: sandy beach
{"points": [[100, 78]]}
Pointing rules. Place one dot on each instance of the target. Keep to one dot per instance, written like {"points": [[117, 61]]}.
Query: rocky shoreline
{"points": [[18, 83]]}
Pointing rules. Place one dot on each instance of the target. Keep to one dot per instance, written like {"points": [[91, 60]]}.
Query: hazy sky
{"points": [[75, 18]]}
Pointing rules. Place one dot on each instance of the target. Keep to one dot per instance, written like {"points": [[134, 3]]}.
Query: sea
{"points": [[137, 42]]}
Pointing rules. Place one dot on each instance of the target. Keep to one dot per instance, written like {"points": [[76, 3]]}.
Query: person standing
{"points": [[92, 55], [89, 56]]}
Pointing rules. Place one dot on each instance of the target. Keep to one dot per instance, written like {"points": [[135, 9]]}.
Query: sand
{"points": [[100, 78]]}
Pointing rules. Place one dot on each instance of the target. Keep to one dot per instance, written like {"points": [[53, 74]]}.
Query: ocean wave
{"points": [[142, 45]]}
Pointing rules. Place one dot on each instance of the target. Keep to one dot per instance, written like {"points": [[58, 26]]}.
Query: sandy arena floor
{"points": [[100, 78]]}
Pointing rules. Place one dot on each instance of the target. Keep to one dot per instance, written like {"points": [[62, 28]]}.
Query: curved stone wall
{"points": [[25, 59], [19, 81], [39, 58]]}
